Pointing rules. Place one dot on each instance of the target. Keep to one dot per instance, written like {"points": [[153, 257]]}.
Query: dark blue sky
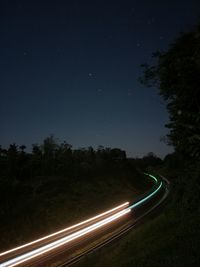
{"points": [[71, 68]]}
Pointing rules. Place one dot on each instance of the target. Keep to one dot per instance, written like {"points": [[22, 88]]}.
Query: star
{"points": [[100, 91]]}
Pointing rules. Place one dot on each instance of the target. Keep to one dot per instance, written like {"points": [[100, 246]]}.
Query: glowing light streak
{"points": [[55, 244], [146, 198], [153, 177], [66, 229], [32, 254]]}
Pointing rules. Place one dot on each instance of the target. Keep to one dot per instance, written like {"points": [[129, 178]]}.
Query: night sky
{"points": [[71, 68]]}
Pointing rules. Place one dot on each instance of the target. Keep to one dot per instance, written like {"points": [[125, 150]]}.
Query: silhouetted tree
{"points": [[12, 157], [177, 74], [22, 148], [49, 148]]}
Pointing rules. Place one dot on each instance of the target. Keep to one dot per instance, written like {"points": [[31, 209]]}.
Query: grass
{"points": [[171, 239]]}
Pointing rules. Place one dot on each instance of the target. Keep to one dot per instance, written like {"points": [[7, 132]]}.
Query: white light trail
{"points": [[81, 232], [32, 254], [66, 229]]}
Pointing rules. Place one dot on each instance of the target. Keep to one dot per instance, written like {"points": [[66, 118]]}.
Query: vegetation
{"points": [[53, 185], [177, 75], [169, 239], [173, 238]]}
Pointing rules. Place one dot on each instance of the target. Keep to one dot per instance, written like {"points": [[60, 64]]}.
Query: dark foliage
{"points": [[173, 238], [53, 185], [177, 75]]}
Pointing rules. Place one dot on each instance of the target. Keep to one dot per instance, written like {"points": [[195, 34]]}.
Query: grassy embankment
{"points": [[170, 239], [167, 240]]}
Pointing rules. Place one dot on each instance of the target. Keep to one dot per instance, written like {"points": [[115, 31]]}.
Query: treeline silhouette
{"points": [[52, 158]]}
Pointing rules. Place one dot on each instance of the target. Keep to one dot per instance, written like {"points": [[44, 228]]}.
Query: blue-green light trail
{"points": [[150, 195], [146, 198]]}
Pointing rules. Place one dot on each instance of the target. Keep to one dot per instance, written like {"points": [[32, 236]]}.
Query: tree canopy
{"points": [[177, 75]]}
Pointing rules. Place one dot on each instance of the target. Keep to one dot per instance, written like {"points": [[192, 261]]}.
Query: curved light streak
{"points": [[153, 177], [32, 254], [55, 244], [146, 198], [66, 229]]}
